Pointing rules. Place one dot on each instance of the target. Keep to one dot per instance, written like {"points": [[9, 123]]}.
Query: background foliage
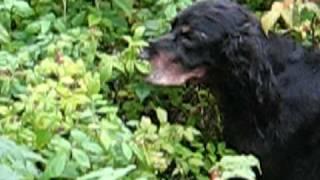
{"points": [[73, 104]]}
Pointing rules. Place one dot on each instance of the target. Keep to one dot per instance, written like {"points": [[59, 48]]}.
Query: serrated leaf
{"points": [[81, 157]]}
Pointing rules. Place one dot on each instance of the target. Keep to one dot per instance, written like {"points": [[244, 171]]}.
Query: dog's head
{"points": [[197, 41]]}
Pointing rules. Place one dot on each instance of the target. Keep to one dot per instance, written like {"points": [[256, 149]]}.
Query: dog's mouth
{"points": [[167, 71]]}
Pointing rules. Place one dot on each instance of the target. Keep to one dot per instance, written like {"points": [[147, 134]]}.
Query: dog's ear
{"points": [[246, 53]]}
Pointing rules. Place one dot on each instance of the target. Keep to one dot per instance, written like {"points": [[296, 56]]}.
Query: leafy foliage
{"points": [[299, 18], [73, 97]]}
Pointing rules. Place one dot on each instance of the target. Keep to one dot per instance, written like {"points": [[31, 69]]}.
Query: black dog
{"points": [[268, 87]]}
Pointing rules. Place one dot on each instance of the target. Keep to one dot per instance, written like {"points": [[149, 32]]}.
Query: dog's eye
{"points": [[187, 34]]}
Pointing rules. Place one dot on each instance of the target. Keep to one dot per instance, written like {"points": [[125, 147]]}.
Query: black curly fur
{"points": [[268, 87]]}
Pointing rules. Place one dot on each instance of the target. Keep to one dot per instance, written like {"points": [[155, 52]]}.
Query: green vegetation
{"points": [[73, 103]]}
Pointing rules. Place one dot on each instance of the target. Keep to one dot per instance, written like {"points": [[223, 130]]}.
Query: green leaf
{"points": [[270, 18], [8, 174], [43, 137], [60, 25], [79, 136], [142, 91], [108, 110], [4, 110], [92, 83], [108, 173], [22, 8], [105, 140], [138, 32], [130, 64], [237, 167], [92, 147], [197, 162], [170, 11], [8, 4], [56, 165], [4, 35], [61, 144], [162, 115], [106, 66], [33, 28], [188, 134], [79, 18], [139, 153], [126, 151], [81, 157], [125, 5], [153, 24], [287, 16], [143, 67], [93, 19], [45, 26]]}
